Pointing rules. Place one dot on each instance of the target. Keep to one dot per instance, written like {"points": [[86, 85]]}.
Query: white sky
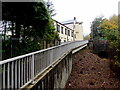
{"points": [[84, 10]]}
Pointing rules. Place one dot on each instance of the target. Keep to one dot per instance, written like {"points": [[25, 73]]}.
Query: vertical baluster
{"points": [[16, 75], [27, 69], [44, 61], [35, 64], [8, 75], [32, 66], [41, 61], [12, 75], [1, 77], [22, 72], [49, 53], [24, 61], [19, 74], [38, 61], [4, 76]]}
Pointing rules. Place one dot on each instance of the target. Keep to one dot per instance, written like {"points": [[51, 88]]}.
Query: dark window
{"points": [[62, 30], [68, 32], [65, 31], [58, 28]]}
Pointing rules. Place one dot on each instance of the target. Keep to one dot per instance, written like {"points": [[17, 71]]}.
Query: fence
{"points": [[49, 43], [19, 71], [54, 77]]}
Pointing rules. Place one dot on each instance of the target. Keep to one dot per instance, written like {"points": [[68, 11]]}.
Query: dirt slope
{"points": [[90, 71]]}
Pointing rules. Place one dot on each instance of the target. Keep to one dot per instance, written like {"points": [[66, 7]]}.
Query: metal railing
{"points": [[19, 71]]}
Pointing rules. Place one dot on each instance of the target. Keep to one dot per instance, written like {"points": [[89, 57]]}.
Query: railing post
{"points": [[0, 77], [32, 66]]}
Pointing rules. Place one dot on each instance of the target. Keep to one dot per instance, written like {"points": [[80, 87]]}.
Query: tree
{"points": [[30, 22], [110, 32], [50, 8], [95, 30], [87, 37], [109, 29], [114, 19]]}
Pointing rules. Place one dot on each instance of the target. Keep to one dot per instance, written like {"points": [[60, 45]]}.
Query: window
{"points": [[58, 28], [62, 30], [68, 32], [65, 31]]}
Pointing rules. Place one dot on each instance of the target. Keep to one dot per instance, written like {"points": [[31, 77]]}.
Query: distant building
{"points": [[69, 30], [65, 33]]}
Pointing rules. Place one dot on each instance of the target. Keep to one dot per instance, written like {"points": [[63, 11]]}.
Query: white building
{"points": [[69, 30], [65, 33]]}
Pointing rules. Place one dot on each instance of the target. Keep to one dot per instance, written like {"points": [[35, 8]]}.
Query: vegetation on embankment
{"points": [[107, 29]]}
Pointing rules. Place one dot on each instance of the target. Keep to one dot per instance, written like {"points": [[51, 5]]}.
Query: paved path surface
{"points": [[90, 71]]}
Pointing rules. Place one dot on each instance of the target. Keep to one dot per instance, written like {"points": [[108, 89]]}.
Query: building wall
{"points": [[70, 25], [69, 32], [65, 33], [78, 32]]}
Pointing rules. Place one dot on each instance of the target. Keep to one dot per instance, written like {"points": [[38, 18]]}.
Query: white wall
{"points": [[64, 37], [79, 32]]}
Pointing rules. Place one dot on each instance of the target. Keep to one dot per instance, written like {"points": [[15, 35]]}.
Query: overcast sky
{"points": [[84, 10]]}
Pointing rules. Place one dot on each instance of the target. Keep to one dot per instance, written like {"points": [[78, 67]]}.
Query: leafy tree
{"points": [[51, 34], [95, 30], [30, 22], [114, 19], [109, 30], [87, 37], [50, 8]]}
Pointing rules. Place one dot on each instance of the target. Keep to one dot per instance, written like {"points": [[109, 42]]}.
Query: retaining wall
{"points": [[57, 76]]}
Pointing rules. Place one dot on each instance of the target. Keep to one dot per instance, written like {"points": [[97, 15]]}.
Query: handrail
{"points": [[20, 70], [22, 56], [32, 53]]}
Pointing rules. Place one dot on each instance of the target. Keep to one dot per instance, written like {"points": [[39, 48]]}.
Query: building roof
{"points": [[62, 24], [71, 22], [68, 21]]}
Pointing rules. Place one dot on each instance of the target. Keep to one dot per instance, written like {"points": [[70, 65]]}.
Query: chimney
{"points": [[75, 18]]}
